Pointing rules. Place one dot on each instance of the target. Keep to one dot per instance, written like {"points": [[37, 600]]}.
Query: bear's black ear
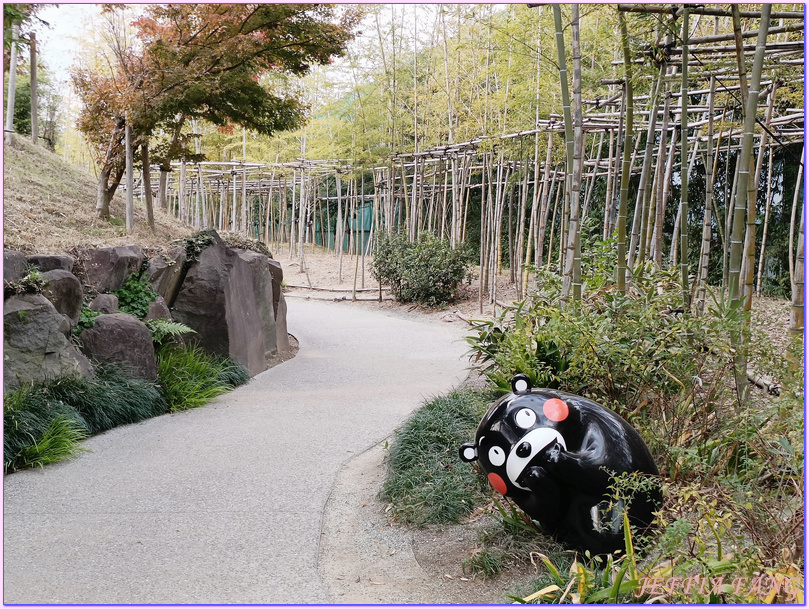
{"points": [[468, 452], [520, 384]]}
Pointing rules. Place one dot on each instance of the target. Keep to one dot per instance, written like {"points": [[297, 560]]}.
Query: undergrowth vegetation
{"points": [[731, 457], [190, 378], [426, 483], [427, 271]]}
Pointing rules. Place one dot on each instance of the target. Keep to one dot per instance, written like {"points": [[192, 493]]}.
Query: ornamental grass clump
{"points": [[426, 483], [190, 378]]}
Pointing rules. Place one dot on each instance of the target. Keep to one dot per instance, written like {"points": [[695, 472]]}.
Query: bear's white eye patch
{"points": [[497, 456], [525, 418]]}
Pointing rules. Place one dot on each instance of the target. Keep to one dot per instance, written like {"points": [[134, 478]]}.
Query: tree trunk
{"points": [[12, 84], [32, 41], [146, 176]]}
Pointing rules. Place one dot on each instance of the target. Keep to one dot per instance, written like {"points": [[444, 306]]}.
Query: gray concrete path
{"points": [[224, 504]]}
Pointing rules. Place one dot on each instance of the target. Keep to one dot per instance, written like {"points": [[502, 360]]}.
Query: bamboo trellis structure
{"points": [[510, 188]]}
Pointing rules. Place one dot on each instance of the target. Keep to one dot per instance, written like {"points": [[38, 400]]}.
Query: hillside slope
{"points": [[49, 207]]}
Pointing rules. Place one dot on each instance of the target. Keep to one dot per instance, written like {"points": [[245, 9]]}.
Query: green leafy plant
{"points": [[190, 378], [134, 297], [163, 329], [425, 481], [427, 271], [195, 244], [86, 320]]}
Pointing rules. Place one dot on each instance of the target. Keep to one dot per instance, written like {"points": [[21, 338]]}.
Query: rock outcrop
{"points": [[105, 269], [121, 340], [166, 274], [14, 265], [64, 290], [104, 303], [51, 262], [218, 301], [231, 298], [35, 343], [263, 289]]}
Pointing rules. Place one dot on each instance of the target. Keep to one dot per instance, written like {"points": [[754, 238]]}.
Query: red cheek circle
{"points": [[555, 409], [497, 483]]}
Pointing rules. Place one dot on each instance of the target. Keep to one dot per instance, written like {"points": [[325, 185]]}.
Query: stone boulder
{"points": [[217, 300], [48, 262], [64, 290], [281, 333], [35, 343], [105, 269], [263, 289], [158, 309], [166, 276], [123, 341], [105, 303], [277, 272], [14, 265]]}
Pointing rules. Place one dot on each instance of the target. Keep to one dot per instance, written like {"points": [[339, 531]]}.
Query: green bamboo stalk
{"points": [[569, 148], [684, 170], [625, 166], [740, 203]]}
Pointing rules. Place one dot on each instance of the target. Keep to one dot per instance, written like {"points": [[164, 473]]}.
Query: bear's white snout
{"points": [[528, 447]]}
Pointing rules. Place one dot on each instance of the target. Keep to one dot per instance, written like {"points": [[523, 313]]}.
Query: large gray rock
{"points": [[277, 272], [35, 343], [281, 333], [217, 300], [105, 303], [158, 310], [263, 289], [107, 268], [48, 262], [64, 290], [14, 265], [166, 276], [123, 341]]}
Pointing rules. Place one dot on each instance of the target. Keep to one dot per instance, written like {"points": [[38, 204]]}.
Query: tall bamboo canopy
{"points": [[509, 193]]}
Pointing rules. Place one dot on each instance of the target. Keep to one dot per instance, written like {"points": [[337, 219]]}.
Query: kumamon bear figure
{"points": [[556, 454]]}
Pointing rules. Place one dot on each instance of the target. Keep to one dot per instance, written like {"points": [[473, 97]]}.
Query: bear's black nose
{"points": [[524, 449]]}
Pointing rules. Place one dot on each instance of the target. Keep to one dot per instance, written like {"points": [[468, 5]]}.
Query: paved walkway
{"points": [[224, 504]]}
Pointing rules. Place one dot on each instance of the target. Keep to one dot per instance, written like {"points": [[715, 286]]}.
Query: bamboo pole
{"points": [[625, 169]]}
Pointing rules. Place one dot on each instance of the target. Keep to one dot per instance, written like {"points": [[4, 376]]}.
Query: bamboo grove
{"points": [[673, 130]]}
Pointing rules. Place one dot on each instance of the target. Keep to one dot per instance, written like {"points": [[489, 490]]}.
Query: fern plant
{"points": [[163, 329]]}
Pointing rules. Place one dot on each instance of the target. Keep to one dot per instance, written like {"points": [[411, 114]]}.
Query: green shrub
{"points": [[427, 271], [190, 378], [134, 297], [426, 482]]}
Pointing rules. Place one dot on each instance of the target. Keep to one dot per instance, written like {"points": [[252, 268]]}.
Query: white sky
{"points": [[59, 41]]}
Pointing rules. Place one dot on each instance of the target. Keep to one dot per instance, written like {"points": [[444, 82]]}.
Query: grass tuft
{"points": [[110, 400], [191, 378], [426, 481]]}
